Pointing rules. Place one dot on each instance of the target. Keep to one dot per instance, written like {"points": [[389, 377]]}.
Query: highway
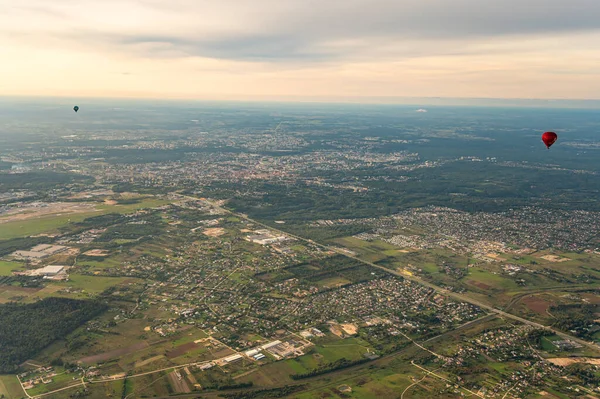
{"points": [[454, 295]]}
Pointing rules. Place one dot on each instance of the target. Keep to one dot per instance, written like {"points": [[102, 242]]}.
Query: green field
{"points": [[46, 224], [271, 374], [349, 348], [10, 387], [108, 262], [372, 251], [333, 282], [7, 267], [52, 223], [10, 293], [189, 336], [381, 382], [91, 284], [58, 382], [495, 281], [547, 345], [145, 203]]}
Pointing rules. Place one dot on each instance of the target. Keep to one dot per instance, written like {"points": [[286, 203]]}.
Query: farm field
{"points": [[10, 387], [6, 267]]}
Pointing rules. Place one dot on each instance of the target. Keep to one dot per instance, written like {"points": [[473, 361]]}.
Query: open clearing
{"points": [[349, 329], [10, 293], [333, 282], [148, 361], [538, 305], [182, 350], [214, 232], [478, 284], [102, 357], [178, 382], [554, 258], [6, 268], [92, 284], [97, 252]]}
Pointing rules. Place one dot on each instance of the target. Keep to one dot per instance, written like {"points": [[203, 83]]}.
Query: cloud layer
{"points": [[302, 47]]}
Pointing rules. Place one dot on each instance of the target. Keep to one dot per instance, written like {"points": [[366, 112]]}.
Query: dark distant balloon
{"points": [[549, 138], [76, 108]]}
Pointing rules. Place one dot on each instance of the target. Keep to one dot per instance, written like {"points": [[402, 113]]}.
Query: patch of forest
{"points": [[27, 329], [40, 180]]}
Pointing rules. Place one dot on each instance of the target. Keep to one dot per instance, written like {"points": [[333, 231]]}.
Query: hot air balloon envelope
{"points": [[76, 108], [549, 138]]}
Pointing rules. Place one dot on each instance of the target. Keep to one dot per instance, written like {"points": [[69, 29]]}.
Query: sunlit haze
{"points": [[229, 49]]}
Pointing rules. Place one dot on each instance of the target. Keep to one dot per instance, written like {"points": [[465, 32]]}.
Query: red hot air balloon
{"points": [[549, 138]]}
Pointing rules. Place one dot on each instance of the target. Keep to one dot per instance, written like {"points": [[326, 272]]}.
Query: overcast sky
{"points": [[238, 49]]}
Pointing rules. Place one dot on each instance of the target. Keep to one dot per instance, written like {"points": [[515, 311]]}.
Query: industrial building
{"points": [[232, 358], [265, 237], [40, 251], [54, 272]]}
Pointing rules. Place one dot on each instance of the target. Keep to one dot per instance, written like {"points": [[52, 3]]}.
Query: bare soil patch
{"points": [[214, 232], [554, 258], [97, 252], [479, 284], [350, 329], [337, 330], [538, 305], [178, 382], [182, 350], [566, 361], [147, 361]]}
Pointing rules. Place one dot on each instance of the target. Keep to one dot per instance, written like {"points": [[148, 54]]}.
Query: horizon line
{"points": [[367, 100]]}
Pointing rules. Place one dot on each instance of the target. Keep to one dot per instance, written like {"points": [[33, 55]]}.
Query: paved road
{"points": [[475, 302], [416, 279]]}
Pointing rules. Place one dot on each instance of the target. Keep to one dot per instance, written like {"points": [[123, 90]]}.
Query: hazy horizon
{"points": [[291, 100]]}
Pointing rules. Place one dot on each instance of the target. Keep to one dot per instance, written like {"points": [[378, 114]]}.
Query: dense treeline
{"points": [[151, 155], [332, 264], [335, 266], [27, 329], [585, 372], [150, 225], [128, 201], [97, 222], [266, 393], [40, 180], [321, 234], [329, 367], [535, 337], [235, 386], [576, 317], [140, 189], [465, 186]]}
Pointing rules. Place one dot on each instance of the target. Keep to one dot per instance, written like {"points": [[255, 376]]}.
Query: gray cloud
{"points": [[292, 30], [243, 47]]}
